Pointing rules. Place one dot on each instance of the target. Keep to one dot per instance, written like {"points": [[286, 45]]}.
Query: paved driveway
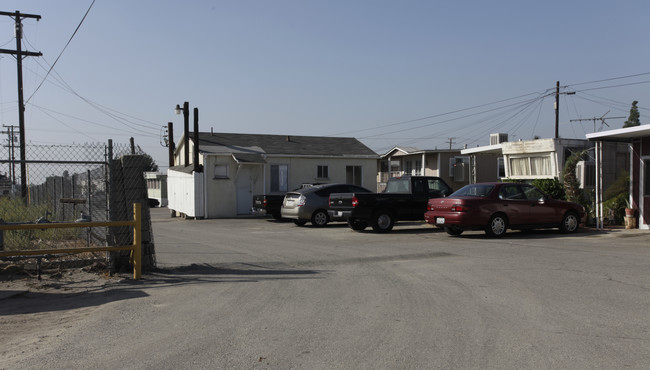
{"points": [[256, 293]]}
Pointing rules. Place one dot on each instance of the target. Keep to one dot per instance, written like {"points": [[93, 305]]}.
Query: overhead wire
{"points": [[62, 51]]}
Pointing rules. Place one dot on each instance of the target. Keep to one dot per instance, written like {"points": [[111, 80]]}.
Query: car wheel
{"points": [[570, 223], [300, 222], [319, 218], [383, 222], [497, 226], [357, 225], [455, 231]]}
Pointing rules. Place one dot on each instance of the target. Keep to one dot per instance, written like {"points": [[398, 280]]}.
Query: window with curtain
{"points": [[519, 167], [541, 166]]}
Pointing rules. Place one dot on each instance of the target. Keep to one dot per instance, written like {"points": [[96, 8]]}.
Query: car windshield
{"points": [[475, 190]]}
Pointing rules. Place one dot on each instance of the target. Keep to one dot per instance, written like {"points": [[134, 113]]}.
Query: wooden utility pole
{"points": [[19, 53], [451, 140], [557, 108]]}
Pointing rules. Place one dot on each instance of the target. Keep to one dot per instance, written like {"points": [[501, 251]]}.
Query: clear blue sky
{"points": [[390, 73]]}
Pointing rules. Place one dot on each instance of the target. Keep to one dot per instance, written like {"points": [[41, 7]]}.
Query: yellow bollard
{"points": [[137, 242]]}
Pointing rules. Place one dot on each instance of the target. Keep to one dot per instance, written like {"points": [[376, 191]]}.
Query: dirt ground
{"points": [[32, 309]]}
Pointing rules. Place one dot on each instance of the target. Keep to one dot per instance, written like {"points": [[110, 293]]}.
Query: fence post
{"points": [[137, 242]]}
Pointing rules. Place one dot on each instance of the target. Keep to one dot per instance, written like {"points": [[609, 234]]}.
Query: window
{"points": [[511, 192], [531, 166], [408, 167], [221, 171], [501, 168], [519, 167], [279, 178], [322, 172], [418, 168], [541, 166], [353, 175]]}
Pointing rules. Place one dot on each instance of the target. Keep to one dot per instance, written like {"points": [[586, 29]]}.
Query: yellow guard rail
{"points": [[135, 248]]}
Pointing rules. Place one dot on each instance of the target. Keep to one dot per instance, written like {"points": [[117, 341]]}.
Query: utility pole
{"points": [[19, 53], [557, 108], [451, 140], [11, 144]]}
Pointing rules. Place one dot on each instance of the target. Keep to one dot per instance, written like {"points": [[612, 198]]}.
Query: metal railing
{"points": [[135, 248]]}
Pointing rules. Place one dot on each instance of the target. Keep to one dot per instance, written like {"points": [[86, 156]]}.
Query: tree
{"points": [[633, 119], [150, 163]]}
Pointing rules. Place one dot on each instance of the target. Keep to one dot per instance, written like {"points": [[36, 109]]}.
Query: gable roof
{"points": [[282, 145], [407, 150]]}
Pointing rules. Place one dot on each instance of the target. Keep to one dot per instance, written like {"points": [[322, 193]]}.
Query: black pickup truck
{"points": [[268, 205], [404, 199]]}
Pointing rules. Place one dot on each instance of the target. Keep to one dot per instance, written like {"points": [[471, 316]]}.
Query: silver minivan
{"points": [[311, 204]]}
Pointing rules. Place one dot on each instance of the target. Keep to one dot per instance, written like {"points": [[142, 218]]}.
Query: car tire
{"points": [[300, 222], [454, 231], [570, 223], [319, 218], [497, 226], [383, 221], [357, 225]]}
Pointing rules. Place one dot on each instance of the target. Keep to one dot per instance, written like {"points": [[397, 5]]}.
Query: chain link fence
{"points": [[74, 183]]}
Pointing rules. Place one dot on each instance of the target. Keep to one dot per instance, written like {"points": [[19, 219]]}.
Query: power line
{"points": [[61, 53]]}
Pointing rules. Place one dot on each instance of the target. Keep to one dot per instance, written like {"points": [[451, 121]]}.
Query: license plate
{"points": [[339, 214], [440, 220]]}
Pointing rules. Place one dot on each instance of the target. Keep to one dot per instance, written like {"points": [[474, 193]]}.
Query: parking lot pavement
{"points": [[257, 293], [181, 242]]}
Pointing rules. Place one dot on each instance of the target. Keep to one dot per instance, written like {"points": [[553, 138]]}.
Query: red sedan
{"points": [[495, 207]]}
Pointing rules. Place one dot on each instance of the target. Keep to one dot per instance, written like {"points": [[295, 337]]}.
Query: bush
{"points": [[552, 187]]}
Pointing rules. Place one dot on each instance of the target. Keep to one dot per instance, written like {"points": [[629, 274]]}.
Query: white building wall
{"points": [[185, 193]]}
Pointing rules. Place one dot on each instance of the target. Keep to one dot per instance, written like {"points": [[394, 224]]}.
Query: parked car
{"points": [[495, 207], [310, 204], [404, 199], [271, 204]]}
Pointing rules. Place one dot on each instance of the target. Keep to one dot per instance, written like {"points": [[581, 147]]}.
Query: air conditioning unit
{"points": [[498, 138], [586, 174]]}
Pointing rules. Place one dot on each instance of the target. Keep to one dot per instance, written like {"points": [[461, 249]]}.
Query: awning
{"points": [[622, 134], [245, 158]]}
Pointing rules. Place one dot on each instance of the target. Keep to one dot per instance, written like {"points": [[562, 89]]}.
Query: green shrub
{"points": [[552, 187]]}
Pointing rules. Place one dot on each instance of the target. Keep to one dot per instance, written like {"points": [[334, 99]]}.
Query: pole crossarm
{"points": [[24, 53], [21, 15]]}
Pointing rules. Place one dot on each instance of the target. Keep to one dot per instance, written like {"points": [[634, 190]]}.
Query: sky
{"points": [[424, 74]]}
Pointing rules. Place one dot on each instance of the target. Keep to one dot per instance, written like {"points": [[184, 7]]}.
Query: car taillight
{"points": [[301, 201], [431, 207], [266, 202], [355, 201], [459, 208]]}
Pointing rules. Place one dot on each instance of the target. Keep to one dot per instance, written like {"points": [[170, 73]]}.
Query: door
{"points": [[244, 191], [515, 205]]}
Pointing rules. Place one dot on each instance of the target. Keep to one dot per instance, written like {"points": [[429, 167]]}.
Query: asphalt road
{"points": [[256, 293]]}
